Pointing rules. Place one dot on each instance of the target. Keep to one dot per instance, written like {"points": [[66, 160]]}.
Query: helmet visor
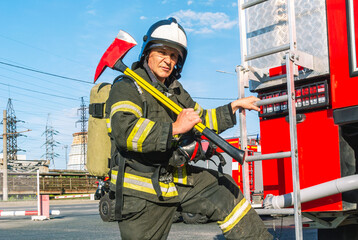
{"points": [[166, 46]]}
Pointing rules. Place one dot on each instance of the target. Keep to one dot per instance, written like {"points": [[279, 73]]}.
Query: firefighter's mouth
{"points": [[166, 69]]}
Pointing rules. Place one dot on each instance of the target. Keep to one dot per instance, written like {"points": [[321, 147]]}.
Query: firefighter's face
{"points": [[161, 61]]}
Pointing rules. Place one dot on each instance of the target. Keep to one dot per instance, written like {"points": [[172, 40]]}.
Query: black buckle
{"points": [[96, 110]]}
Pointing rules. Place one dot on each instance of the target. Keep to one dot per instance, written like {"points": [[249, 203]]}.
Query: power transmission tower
{"points": [[50, 142], [83, 120], [11, 122]]}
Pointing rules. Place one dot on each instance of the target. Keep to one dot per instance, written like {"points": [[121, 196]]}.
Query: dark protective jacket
{"points": [[148, 141]]}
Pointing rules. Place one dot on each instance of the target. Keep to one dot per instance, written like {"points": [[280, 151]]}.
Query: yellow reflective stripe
{"points": [[123, 106], [207, 120], [145, 185], [137, 178], [214, 119], [167, 192], [211, 120], [126, 106], [235, 216], [144, 135], [133, 133], [114, 176], [108, 123], [138, 134], [180, 176], [198, 109], [139, 188]]}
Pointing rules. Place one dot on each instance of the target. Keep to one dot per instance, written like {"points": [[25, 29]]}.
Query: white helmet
{"points": [[166, 33]]}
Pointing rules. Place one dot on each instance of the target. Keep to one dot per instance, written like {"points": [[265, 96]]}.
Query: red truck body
{"points": [[318, 135]]}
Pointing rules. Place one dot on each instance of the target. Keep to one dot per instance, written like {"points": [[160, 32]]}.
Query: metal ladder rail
{"points": [[291, 69]]}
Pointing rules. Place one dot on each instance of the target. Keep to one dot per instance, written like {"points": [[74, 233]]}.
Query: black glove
{"points": [[188, 149]]}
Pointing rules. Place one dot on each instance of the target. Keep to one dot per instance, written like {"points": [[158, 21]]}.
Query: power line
{"points": [[46, 73], [39, 108], [55, 83], [56, 103], [49, 94], [40, 113], [32, 84], [40, 49]]}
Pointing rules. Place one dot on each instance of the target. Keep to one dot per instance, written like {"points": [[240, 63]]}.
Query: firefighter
{"points": [[150, 183]]}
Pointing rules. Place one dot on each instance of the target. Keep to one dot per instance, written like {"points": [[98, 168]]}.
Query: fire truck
{"points": [[300, 58]]}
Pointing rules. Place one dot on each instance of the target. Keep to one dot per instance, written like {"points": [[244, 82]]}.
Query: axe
{"points": [[113, 58]]}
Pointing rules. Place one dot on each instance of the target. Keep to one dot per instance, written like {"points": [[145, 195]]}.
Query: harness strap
{"points": [[155, 181], [119, 186]]}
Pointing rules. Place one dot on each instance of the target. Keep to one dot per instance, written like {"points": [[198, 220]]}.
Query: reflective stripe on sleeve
{"points": [[126, 106], [180, 176], [198, 109], [211, 120], [138, 134], [123, 106], [235, 216], [108, 123]]}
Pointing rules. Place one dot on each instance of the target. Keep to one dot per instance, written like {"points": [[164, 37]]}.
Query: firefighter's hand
{"points": [[186, 120], [246, 103]]}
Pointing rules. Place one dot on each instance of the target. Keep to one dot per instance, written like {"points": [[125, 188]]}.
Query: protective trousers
{"points": [[212, 194]]}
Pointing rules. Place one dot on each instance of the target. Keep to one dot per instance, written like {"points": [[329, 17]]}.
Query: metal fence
{"points": [[55, 183]]}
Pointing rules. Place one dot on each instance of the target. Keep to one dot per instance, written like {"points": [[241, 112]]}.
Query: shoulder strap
{"points": [[118, 78], [139, 90]]}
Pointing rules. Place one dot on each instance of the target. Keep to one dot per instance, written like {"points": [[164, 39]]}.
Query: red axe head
{"points": [[116, 51]]}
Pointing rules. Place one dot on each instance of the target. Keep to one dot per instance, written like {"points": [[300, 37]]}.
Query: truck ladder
{"points": [[243, 79]]}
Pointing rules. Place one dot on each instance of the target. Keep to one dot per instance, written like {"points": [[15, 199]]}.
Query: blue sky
{"points": [[67, 38]]}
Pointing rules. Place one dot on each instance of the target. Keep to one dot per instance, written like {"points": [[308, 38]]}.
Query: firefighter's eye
{"points": [[174, 56]]}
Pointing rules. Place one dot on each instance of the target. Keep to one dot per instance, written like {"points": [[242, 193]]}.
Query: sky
{"points": [[49, 51]]}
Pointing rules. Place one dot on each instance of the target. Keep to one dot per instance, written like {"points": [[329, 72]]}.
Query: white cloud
{"points": [[203, 22], [190, 2], [224, 25], [204, 30], [234, 4], [91, 12], [143, 18], [208, 2]]}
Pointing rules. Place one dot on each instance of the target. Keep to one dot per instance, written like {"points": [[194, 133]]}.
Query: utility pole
{"points": [[83, 120], [4, 156]]}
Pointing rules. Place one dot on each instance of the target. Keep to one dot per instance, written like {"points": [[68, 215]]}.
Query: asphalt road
{"points": [[79, 219]]}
